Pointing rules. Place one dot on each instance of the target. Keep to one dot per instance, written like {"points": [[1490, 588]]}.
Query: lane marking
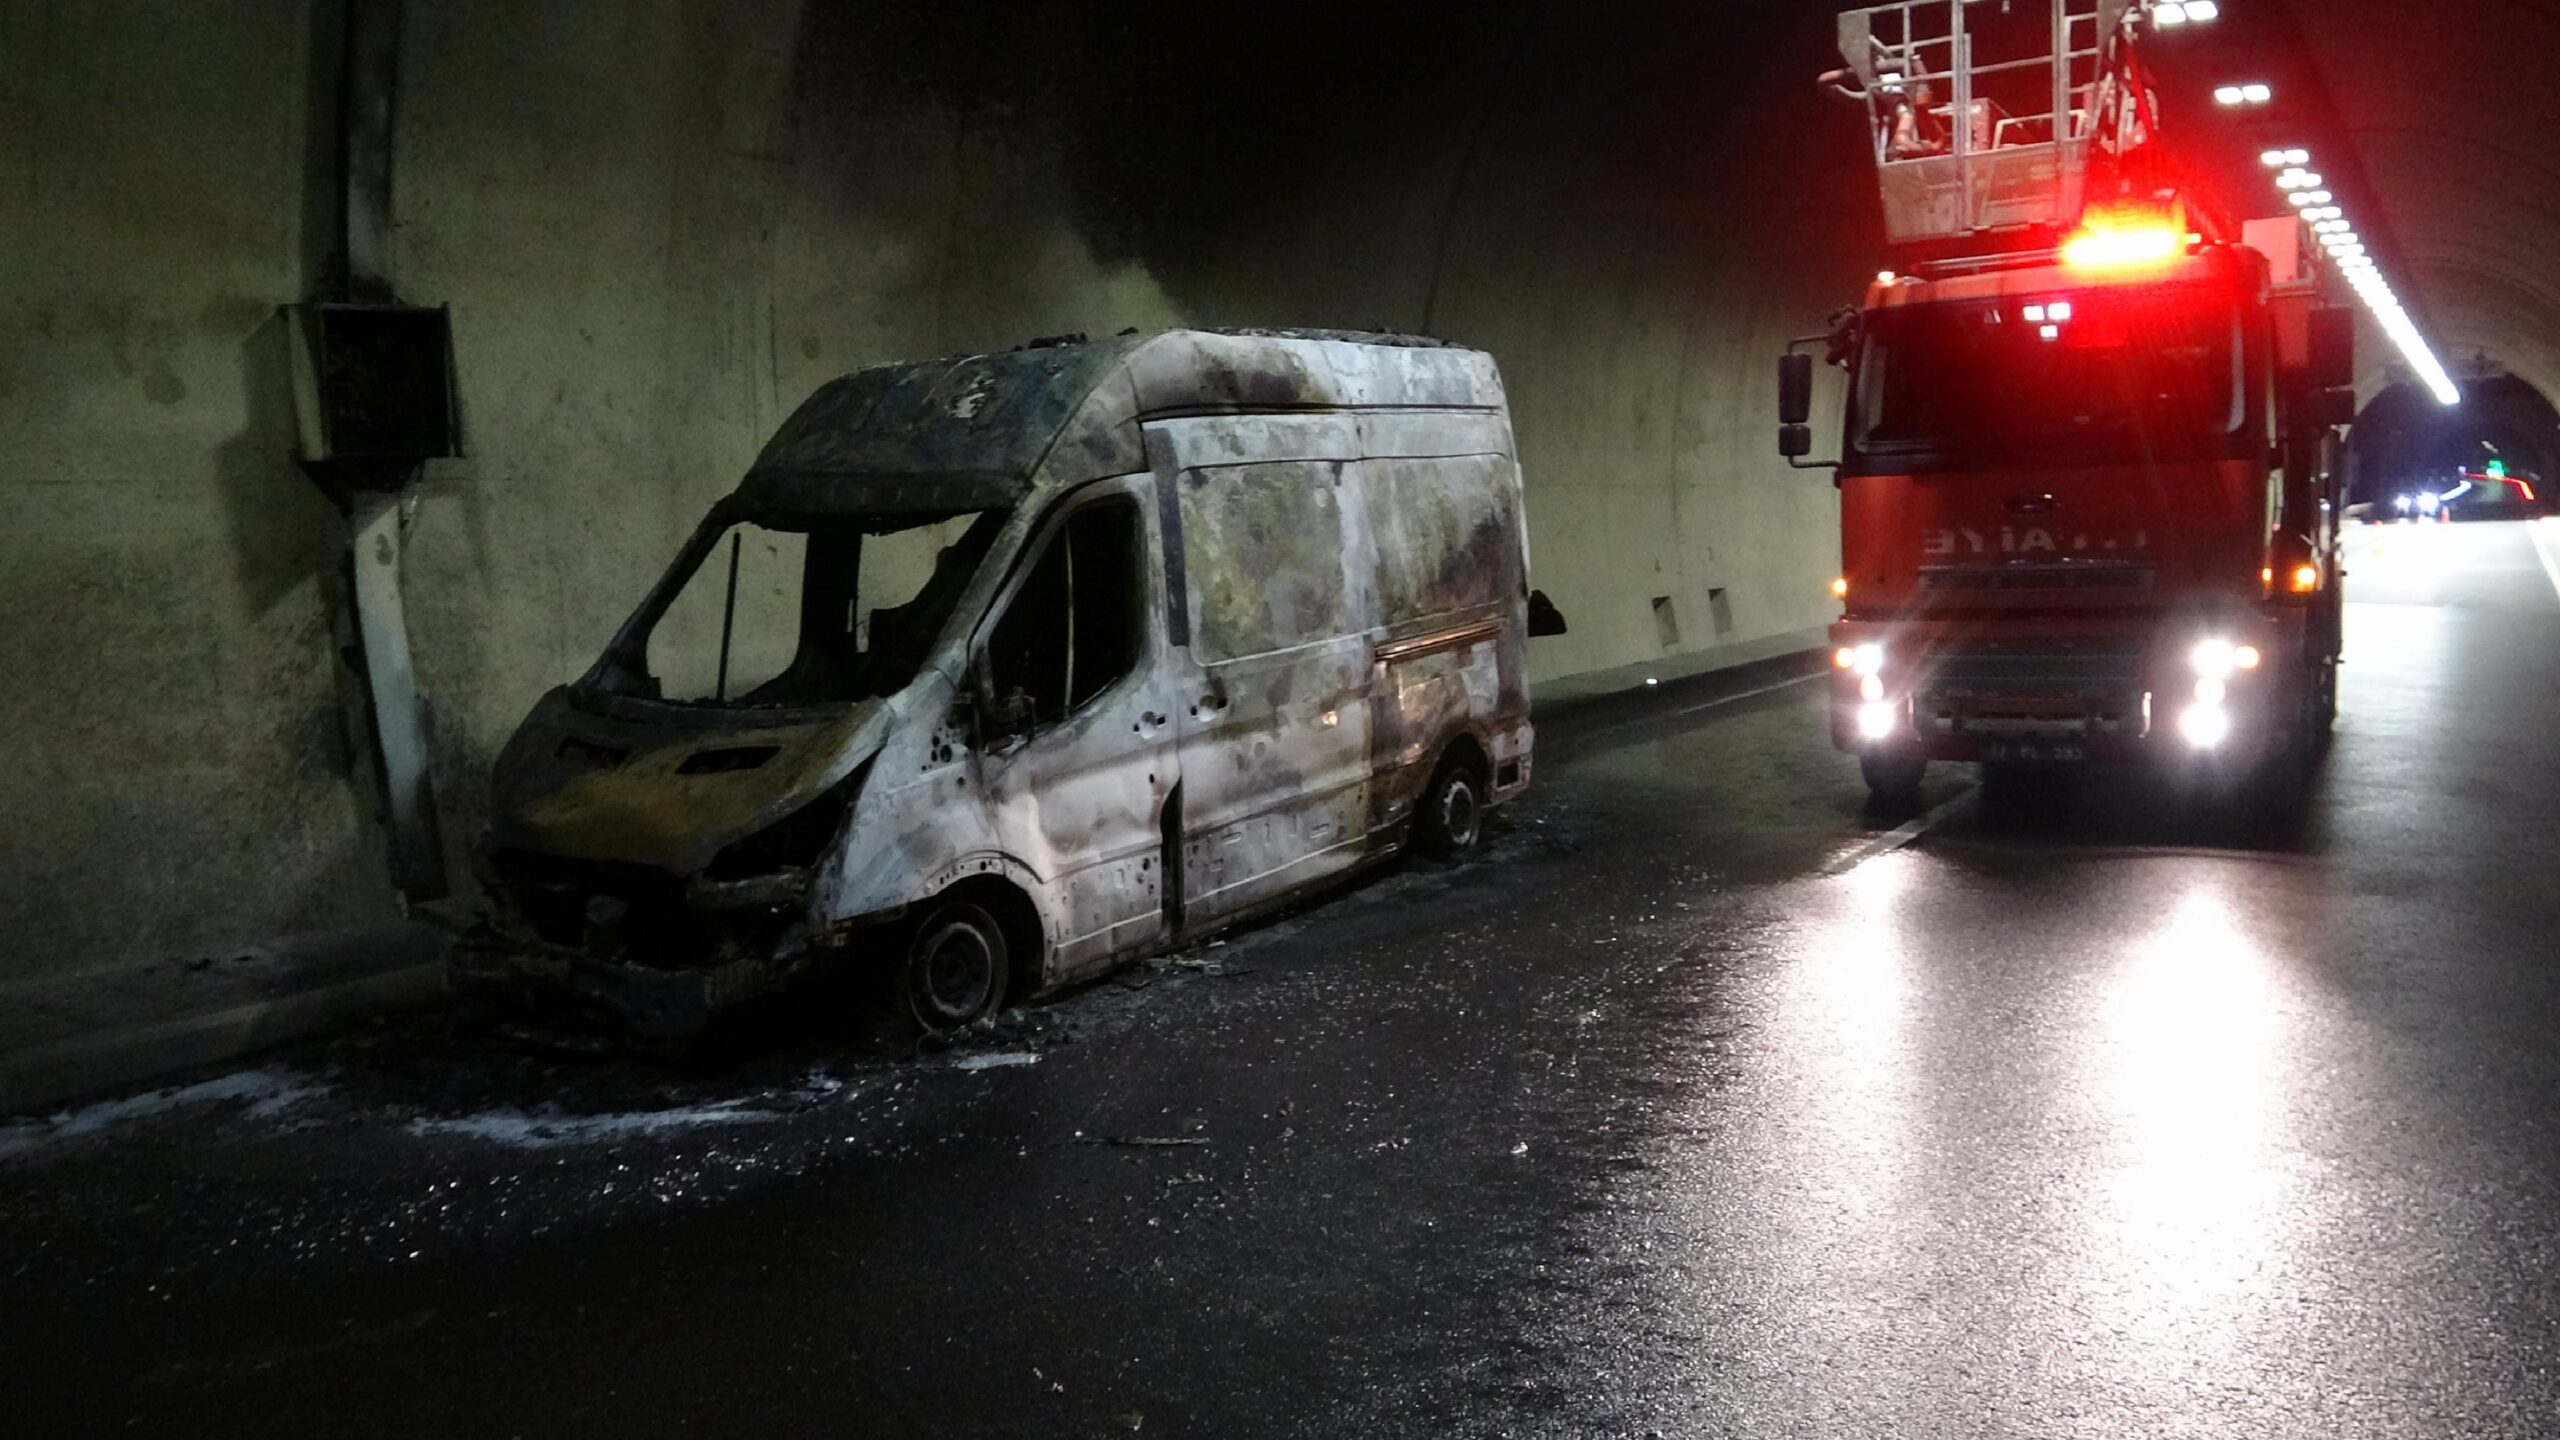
{"points": [[1658, 717], [2550, 568], [1752, 694], [1897, 838]]}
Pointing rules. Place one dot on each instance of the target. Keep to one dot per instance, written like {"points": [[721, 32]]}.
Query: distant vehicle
{"points": [[2490, 495], [2418, 505], [1184, 625]]}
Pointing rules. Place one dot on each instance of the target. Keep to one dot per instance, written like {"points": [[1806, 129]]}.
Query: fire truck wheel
{"points": [[2327, 719], [952, 972], [1893, 780]]}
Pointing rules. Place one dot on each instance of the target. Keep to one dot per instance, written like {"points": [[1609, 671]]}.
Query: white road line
{"points": [[1750, 694], [1654, 719], [1899, 837], [2534, 531]]}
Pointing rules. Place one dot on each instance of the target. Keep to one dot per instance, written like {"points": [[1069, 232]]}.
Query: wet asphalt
{"points": [[1706, 1102]]}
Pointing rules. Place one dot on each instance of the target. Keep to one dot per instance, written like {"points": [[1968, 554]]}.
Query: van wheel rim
{"points": [[1458, 813], [954, 976]]}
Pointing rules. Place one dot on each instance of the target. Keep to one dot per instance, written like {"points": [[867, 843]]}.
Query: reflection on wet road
{"points": [[1690, 1111]]}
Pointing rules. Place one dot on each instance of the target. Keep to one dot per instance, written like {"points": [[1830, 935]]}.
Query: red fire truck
{"points": [[2089, 476]]}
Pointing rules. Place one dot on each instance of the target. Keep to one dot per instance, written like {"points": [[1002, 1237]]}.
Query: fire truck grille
{"points": [[2103, 669], [2038, 577], [2093, 688]]}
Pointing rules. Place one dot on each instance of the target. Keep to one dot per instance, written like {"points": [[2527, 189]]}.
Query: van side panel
{"points": [[1276, 564]]}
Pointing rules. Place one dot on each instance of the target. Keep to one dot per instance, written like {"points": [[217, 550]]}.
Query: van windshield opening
{"points": [[787, 615], [2122, 376]]}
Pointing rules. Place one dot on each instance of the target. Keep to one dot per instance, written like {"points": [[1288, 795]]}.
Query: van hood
{"points": [[603, 778]]}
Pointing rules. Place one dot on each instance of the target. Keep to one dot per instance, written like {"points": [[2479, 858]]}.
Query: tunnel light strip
{"points": [[2386, 308], [2338, 237]]}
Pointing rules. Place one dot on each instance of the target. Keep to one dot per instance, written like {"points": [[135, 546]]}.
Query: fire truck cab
{"points": [[2089, 480]]}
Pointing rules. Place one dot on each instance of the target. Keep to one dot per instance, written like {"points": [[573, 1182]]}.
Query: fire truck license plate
{"points": [[2030, 750]]}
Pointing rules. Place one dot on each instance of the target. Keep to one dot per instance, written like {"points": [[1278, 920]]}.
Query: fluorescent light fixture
{"points": [[2202, 10], [2298, 180], [2323, 212], [2170, 13], [2309, 197], [2227, 94], [2256, 93], [2395, 322]]}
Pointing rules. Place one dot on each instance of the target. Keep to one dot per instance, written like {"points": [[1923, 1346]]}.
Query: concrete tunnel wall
{"points": [[660, 225]]}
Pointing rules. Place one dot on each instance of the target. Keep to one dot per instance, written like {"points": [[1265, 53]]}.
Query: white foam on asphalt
{"points": [[541, 1129], [262, 1093], [995, 1061]]}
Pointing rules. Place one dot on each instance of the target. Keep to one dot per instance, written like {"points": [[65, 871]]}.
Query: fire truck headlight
{"points": [[1869, 659], [1871, 688], [2247, 657], [1878, 719], [2214, 659], [2205, 725]]}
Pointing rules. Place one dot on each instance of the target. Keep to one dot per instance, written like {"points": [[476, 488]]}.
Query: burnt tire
{"points": [[1448, 820], [952, 969], [1893, 781]]}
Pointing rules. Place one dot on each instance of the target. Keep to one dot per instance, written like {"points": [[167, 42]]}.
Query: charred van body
{"points": [[1001, 670]]}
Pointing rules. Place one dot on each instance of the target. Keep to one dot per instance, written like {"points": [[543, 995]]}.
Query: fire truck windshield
{"points": [[2129, 376]]}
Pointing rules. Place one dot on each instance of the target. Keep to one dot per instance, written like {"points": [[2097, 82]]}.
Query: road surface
{"points": [[1704, 1104]]}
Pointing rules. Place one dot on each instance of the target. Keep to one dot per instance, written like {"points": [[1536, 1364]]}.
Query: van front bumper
{"points": [[648, 1002]]}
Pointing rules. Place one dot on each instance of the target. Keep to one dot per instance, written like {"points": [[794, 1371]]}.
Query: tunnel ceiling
{"points": [[2433, 102], [2417, 119]]}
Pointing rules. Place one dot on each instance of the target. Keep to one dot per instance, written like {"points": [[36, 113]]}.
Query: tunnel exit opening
{"points": [[2495, 456]]}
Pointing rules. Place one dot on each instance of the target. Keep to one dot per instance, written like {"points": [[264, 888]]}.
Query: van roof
{"points": [[976, 432]]}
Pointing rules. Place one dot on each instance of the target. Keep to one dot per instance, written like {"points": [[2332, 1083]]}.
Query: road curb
{"points": [[47, 1075]]}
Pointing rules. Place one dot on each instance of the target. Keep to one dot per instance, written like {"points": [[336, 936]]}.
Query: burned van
{"points": [[999, 671]]}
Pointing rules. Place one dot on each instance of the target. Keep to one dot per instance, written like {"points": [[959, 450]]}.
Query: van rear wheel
{"points": [[951, 974], [1449, 819]]}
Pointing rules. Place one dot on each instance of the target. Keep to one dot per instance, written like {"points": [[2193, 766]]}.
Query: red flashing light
{"points": [[2122, 243]]}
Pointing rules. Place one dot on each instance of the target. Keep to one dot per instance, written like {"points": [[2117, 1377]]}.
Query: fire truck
{"points": [[2089, 472]]}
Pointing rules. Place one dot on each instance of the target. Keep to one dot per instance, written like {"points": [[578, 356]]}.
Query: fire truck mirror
{"points": [[1795, 441], [2332, 347], [1795, 392], [2334, 407]]}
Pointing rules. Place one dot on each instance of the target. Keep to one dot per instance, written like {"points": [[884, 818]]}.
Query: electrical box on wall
{"points": [[373, 386]]}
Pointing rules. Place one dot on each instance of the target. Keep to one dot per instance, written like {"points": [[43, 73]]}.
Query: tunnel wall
{"points": [[660, 225]]}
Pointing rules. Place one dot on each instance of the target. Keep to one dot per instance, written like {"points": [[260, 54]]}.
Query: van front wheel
{"points": [[1449, 819], [952, 974]]}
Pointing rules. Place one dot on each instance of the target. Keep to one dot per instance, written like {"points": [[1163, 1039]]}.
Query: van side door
{"points": [[1075, 721], [1277, 590]]}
